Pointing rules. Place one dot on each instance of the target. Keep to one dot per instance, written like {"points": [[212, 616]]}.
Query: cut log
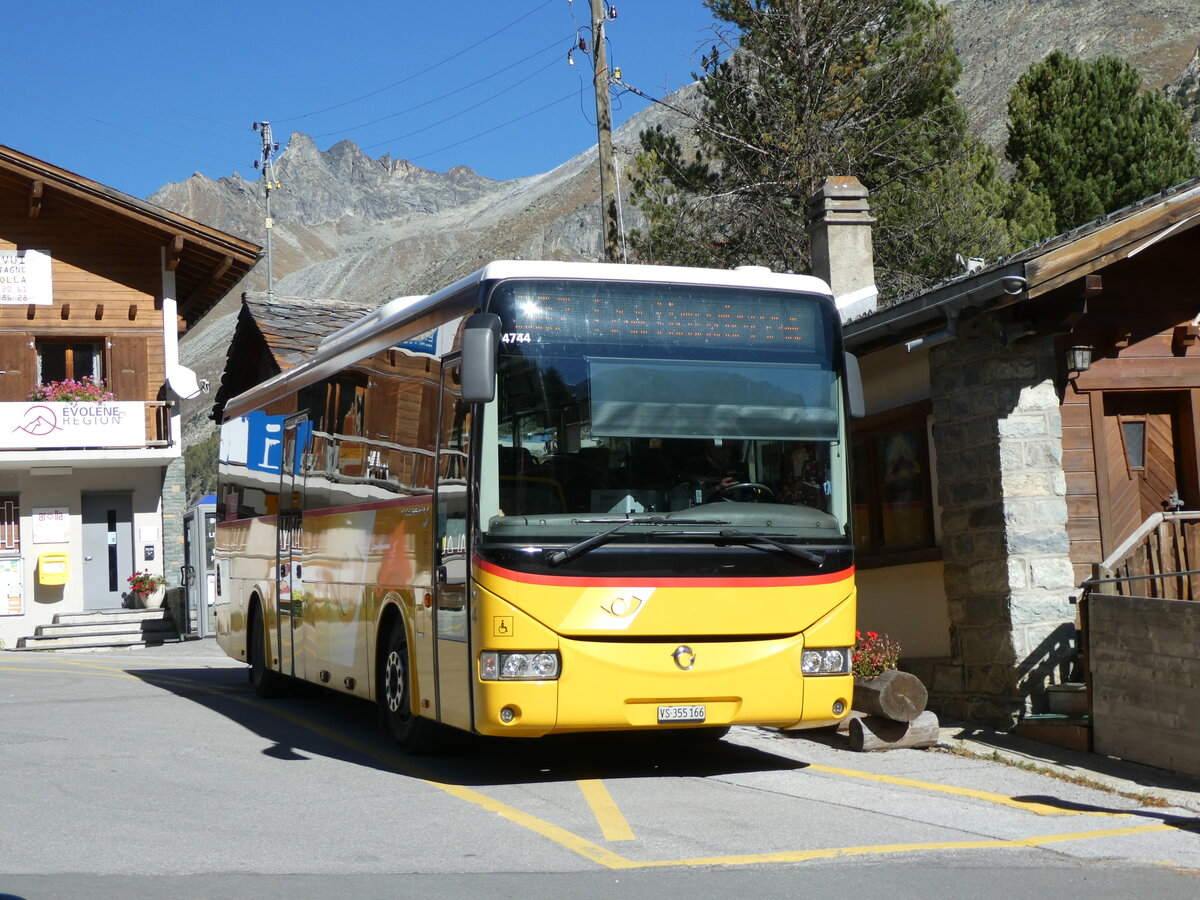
{"points": [[891, 694], [873, 733]]}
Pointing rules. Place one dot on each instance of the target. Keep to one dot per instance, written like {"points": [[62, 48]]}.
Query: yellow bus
{"points": [[553, 497]]}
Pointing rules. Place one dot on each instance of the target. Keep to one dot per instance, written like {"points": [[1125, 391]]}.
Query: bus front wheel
{"points": [[413, 733]]}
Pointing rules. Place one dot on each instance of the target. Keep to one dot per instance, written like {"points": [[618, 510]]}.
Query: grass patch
{"points": [[1142, 798]]}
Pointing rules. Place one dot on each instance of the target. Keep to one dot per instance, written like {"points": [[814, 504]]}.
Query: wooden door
{"points": [[1149, 455]]}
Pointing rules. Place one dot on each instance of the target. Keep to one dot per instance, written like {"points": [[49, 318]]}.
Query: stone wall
{"points": [[1145, 680], [174, 505], [1008, 577]]}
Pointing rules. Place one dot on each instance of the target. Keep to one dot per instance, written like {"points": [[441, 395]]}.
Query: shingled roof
{"points": [[1033, 274], [273, 334]]}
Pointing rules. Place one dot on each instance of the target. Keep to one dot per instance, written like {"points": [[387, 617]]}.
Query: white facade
{"points": [[52, 502]]}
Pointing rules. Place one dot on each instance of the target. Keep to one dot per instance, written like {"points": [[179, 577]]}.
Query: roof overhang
{"points": [[931, 316], [208, 263]]}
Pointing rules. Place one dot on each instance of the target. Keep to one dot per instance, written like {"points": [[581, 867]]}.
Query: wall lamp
{"points": [[1079, 358]]}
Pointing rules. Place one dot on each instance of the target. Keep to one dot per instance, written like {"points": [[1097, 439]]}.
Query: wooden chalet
{"points": [[95, 286], [1025, 419], [275, 332]]}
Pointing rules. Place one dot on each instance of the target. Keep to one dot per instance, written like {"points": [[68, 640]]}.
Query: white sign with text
{"points": [[51, 524], [25, 277], [40, 426]]}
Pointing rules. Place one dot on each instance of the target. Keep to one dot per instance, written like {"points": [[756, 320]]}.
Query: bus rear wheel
{"points": [[266, 683], [413, 733]]}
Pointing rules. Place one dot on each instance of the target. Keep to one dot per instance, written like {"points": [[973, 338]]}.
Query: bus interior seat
{"points": [[516, 461], [520, 496]]}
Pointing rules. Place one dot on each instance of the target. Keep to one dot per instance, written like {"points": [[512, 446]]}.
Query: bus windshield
{"points": [[700, 408]]}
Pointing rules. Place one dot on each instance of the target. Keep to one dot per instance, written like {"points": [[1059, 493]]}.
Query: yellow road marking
{"points": [[113, 674], [612, 823], [1041, 809], [403, 766], [614, 861], [789, 856]]}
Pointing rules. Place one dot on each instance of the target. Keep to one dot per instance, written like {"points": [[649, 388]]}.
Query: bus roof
{"points": [[406, 317]]}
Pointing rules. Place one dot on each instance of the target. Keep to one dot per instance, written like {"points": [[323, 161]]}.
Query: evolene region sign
{"points": [[41, 426]]}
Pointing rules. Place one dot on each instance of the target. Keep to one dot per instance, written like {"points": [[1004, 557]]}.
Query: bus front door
{"points": [[290, 544], [450, 590]]}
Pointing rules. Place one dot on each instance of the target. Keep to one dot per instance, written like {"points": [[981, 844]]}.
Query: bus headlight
{"points": [[528, 665], [829, 661]]}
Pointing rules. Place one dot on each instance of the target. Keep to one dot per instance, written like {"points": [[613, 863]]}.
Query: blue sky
{"points": [[137, 94]]}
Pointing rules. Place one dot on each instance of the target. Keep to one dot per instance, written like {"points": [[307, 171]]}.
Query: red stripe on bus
{"points": [[663, 581]]}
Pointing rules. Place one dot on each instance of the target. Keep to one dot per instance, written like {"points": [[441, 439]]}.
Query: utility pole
{"points": [[266, 164], [608, 170]]}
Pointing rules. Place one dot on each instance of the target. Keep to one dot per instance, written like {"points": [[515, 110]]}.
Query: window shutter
{"points": [[127, 364], [18, 362]]}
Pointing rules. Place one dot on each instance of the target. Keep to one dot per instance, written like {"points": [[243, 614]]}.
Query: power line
{"points": [[557, 43], [463, 112], [467, 140], [424, 71], [190, 148]]}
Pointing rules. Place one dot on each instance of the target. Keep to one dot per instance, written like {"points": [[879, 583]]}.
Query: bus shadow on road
{"points": [[317, 722]]}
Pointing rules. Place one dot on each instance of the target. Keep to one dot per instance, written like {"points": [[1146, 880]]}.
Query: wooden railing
{"points": [[1138, 638], [1159, 560]]}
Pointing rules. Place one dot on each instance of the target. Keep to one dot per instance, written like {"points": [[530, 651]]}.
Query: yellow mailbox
{"points": [[53, 568]]}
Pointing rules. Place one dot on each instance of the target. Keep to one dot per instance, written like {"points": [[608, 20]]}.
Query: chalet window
{"points": [[62, 359], [1133, 436], [893, 498]]}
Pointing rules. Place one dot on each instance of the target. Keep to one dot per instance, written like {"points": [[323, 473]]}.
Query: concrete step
{"points": [[1072, 732], [110, 616], [88, 642], [1067, 699], [147, 626], [103, 628]]}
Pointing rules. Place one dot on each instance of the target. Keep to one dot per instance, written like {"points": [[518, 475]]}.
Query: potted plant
{"points": [[873, 654], [142, 585], [86, 389], [880, 688]]}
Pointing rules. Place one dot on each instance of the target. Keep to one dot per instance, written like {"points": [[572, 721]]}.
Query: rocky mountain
{"points": [[997, 40], [354, 228], [360, 229]]}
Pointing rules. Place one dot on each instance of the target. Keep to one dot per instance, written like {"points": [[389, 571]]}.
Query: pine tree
{"points": [[1085, 137], [839, 87]]}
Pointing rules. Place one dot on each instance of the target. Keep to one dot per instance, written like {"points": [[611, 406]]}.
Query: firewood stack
{"points": [[889, 713]]}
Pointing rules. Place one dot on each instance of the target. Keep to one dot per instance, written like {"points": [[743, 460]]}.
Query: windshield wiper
{"points": [[558, 557], [816, 557]]}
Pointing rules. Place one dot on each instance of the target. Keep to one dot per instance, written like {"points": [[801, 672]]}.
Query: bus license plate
{"points": [[681, 713]]}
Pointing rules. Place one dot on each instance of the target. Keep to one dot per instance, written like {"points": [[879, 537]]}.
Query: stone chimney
{"points": [[839, 218]]}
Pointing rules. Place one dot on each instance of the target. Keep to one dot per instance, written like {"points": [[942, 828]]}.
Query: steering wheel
{"points": [[755, 488]]}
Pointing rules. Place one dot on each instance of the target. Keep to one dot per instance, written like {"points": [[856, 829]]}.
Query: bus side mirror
{"points": [[854, 387], [480, 343]]}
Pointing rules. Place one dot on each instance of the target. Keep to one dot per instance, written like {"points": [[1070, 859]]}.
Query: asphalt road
{"points": [[159, 774]]}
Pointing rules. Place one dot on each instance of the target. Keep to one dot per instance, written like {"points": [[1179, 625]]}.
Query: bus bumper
{"points": [[619, 685]]}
